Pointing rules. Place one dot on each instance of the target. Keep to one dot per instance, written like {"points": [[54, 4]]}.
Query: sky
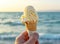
{"points": [[19, 5]]}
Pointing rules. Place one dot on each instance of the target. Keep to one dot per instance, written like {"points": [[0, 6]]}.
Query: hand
{"points": [[23, 38]]}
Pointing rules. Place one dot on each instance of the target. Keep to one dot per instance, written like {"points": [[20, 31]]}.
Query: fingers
{"points": [[37, 42], [35, 35], [21, 37], [33, 38]]}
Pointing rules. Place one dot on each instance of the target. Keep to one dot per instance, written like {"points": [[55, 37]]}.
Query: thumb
{"points": [[33, 38]]}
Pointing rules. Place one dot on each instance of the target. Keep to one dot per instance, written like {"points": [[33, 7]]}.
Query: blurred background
{"points": [[48, 25]]}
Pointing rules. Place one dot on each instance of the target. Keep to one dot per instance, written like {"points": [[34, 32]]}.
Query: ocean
{"points": [[48, 27]]}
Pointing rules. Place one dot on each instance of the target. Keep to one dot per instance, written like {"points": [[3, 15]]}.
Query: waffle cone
{"points": [[31, 26]]}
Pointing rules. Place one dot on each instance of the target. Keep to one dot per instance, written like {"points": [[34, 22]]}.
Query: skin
{"points": [[23, 38]]}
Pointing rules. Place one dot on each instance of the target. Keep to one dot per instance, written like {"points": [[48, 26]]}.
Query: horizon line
{"points": [[36, 11]]}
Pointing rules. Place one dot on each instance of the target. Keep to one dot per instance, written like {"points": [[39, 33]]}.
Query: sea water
{"points": [[48, 27]]}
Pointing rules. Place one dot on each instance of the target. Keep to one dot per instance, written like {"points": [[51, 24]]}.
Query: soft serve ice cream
{"points": [[30, 16]]}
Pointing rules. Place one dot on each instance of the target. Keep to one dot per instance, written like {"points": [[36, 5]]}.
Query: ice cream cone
{"points": [[31, 26], [30, 19]]}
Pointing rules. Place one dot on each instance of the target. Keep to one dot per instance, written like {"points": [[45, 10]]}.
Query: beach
{"points": [[48, 27]]}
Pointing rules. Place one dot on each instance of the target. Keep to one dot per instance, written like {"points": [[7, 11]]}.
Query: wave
{"points": [[7, 37], [50, 36], [16, 22], [42, 36], [50, 21], [11, 22]]}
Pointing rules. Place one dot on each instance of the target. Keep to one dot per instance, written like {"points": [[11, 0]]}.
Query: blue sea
{"points": [[48, 27]]}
